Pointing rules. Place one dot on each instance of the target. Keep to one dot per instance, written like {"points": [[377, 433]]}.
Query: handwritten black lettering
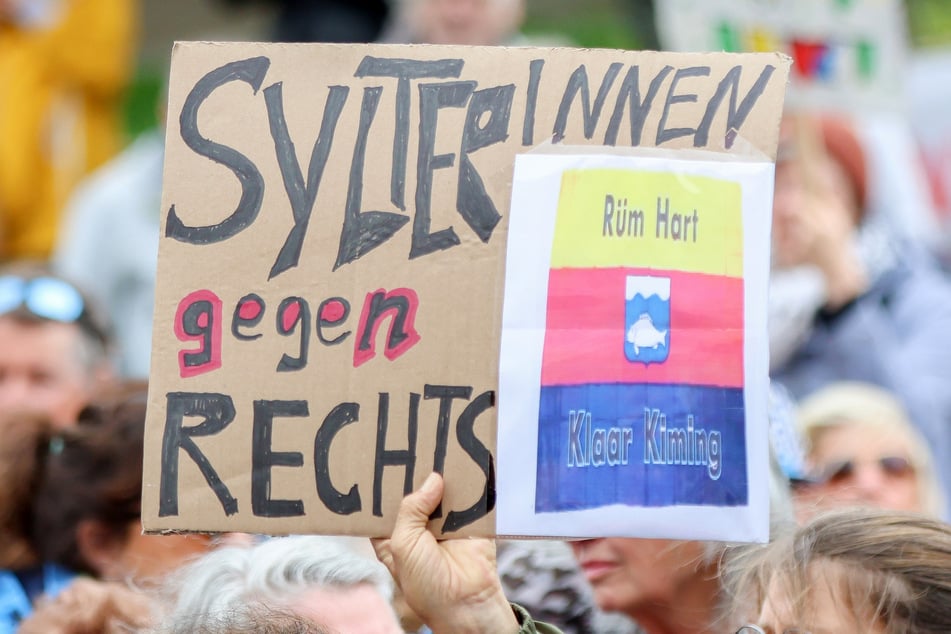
{"points": [[405, 70], [578, 82], [736, 115], [263, 458], [300, 195], [217, 410], [432, 97], [528, 122], [481, 456], [251, 71], [248, 313], [364, 231], [384, 457], [445, 394], [631, 90], [472, 200], [332, 312], [335, 501], [664, 134], [291, 313]]}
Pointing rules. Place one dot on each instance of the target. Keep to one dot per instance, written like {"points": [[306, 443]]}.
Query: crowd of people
{"points": [[858, 521]]}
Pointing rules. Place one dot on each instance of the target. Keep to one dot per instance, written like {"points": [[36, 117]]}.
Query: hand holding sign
{"points": [[452, 585]]}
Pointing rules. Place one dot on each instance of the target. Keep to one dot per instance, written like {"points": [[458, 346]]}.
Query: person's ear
{"points": [[99, 547]]}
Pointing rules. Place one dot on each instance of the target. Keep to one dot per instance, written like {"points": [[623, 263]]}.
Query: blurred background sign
{"points": [[846, 53]]}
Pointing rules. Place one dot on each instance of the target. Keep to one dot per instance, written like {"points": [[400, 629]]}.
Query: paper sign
{"points": [[633, 370], [846, 53], [331, 267]]}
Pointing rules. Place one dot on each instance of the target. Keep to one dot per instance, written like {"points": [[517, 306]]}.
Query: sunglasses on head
{"points": [[47, 298], [891, 466]]}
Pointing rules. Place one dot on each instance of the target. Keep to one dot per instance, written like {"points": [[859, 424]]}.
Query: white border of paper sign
{"points": [[535, 191]]}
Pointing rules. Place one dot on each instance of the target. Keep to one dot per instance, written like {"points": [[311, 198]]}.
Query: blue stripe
{"points": [[635, 463]]}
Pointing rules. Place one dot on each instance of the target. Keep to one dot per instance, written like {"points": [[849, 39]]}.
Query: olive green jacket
{"points": [[529, 626]]}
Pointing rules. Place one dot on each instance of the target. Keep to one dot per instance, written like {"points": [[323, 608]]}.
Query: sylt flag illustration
{"points": [[642, 375]]}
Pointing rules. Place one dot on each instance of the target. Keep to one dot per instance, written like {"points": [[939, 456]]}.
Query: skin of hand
{"points": [[88, 605], [814, 223], [453, 585]]}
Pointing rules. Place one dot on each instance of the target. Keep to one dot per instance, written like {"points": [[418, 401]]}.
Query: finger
{"points": [[383, 553], [416, 507], [414, 514]]}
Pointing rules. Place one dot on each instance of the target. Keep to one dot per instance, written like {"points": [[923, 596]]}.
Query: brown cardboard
{"points": [[218, 100]]}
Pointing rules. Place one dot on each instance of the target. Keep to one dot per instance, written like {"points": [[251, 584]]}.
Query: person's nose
{"points": [[868, 480]]}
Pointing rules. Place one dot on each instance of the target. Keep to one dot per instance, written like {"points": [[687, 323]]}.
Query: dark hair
{"points": [[92, 471], [22, 455]]}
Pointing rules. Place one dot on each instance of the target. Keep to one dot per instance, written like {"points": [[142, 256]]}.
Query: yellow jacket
{"points": [[60, 95]]}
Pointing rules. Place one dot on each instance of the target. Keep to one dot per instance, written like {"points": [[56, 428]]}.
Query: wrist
{"points": [[493, 614]]}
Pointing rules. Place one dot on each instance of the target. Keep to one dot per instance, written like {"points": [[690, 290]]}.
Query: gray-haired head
{"points": [[252, 619], [273, 575]]}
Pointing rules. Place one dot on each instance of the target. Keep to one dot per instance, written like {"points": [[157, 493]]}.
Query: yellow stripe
{"points": [[616, 217]]}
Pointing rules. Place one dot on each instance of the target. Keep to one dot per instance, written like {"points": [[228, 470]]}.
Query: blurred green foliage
{"points": [[624, 24], [599, 28], [929, 22], [629, 23], [143, 101]]}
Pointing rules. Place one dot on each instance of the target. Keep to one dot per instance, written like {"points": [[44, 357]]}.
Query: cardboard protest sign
{"points": [[633, 334], [846, 53], [329, 295]]}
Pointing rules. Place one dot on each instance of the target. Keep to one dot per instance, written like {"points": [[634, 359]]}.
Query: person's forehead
{"points": [[358, 608], [822, 167], [821, 608], [856, 437], [38, 338]]}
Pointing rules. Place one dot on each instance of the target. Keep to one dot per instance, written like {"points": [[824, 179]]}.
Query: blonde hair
{"points": [[892, 568], [872, 407]]}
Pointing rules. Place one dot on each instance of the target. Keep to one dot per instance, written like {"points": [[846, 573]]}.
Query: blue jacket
{"points": [[15, 604], [894, 336]]}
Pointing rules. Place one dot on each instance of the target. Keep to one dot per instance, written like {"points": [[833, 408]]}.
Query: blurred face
{"points": [[473, 22], [808, 203], [629, 575], [148, 558], [356, 610], [862, 466], [41, 370], [826, 611]]}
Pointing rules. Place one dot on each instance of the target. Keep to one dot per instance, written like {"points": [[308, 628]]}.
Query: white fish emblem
{"points": [[643, 334]]}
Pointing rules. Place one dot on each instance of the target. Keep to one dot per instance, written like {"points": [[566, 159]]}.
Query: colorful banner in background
{"points": [[846, 53], [633, 365], [642, 366]]}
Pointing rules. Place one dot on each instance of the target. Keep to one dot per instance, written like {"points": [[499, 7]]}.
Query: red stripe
{"points": [[584, 340]]}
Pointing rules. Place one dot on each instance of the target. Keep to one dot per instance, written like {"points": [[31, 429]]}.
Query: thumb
{"points": [[417, 506]]}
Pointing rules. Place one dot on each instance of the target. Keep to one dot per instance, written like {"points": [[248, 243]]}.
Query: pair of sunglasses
{"points": [[47, 298], [891, 466]]}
